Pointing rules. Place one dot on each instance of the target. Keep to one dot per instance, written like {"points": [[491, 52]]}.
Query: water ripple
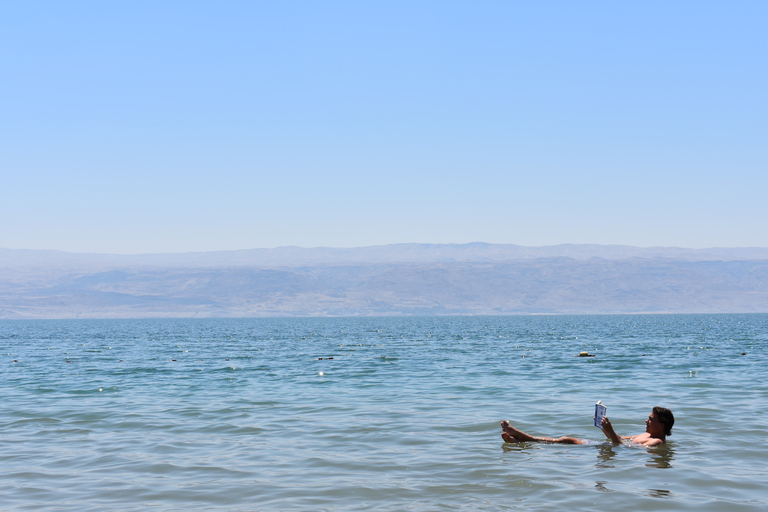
{"points": [[235, 414]]}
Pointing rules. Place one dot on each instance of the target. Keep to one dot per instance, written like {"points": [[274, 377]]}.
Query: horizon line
{"points": [[383, 245]]}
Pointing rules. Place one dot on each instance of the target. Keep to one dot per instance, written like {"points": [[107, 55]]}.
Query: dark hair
{"points": [[666, 418]]}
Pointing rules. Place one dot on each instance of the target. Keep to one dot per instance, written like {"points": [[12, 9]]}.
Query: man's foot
{"points": [[517, 434], [508, 438]]}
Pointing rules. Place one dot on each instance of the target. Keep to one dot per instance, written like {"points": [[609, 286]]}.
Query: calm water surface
{"points": [[241, 414]]}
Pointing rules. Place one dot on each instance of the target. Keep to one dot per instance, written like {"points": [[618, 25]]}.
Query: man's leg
{"points": [[512, 435], [569, 440]]}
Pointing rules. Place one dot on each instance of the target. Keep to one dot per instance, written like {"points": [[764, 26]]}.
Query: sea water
{"points": [[382, 414]]}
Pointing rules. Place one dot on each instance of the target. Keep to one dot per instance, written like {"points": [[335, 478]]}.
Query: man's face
{"points": [[653, 425]]}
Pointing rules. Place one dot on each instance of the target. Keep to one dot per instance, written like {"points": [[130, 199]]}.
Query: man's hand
{"points": [[609, 432]]}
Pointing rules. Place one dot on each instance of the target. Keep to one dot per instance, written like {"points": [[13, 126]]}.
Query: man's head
{"points": [[664, 417]]}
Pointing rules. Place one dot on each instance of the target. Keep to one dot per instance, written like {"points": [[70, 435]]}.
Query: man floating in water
{"points": [[657, 427]]}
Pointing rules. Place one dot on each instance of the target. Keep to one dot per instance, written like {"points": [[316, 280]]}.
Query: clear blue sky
{"points": [[133, 126]]}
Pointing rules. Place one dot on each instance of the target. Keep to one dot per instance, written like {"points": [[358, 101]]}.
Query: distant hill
{"points": [[395, 253], [400, 279]]}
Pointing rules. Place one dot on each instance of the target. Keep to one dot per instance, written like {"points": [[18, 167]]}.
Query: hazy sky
{"points": [[165, 126]]}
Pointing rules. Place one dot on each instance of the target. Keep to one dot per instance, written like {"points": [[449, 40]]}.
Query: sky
{"points": [[176, 126]]}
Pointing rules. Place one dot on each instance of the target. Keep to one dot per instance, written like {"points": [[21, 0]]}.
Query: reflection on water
{"points": [[661, 457], [605, 455], [516, 447], [659, 493], [600, 486]]}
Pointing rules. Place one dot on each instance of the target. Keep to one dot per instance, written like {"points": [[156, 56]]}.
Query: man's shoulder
{"points": [[647, 440]]}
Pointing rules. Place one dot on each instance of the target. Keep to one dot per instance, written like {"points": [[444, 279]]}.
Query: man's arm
{"points": [[609, 432]]}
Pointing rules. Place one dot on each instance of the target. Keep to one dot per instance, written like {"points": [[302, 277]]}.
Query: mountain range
{"points": [[398, 279]]}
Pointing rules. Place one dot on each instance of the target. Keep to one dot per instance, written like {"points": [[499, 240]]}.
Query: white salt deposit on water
{"points": [[409, 419]]}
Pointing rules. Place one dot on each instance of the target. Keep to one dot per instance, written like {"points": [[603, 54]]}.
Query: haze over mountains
{"points": [[399, 279]]}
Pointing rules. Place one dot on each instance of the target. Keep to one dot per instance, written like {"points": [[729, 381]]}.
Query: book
{"points": [[600, 410]]}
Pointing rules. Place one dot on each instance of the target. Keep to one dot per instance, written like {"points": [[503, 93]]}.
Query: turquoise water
{"points": [[240, 414]]}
